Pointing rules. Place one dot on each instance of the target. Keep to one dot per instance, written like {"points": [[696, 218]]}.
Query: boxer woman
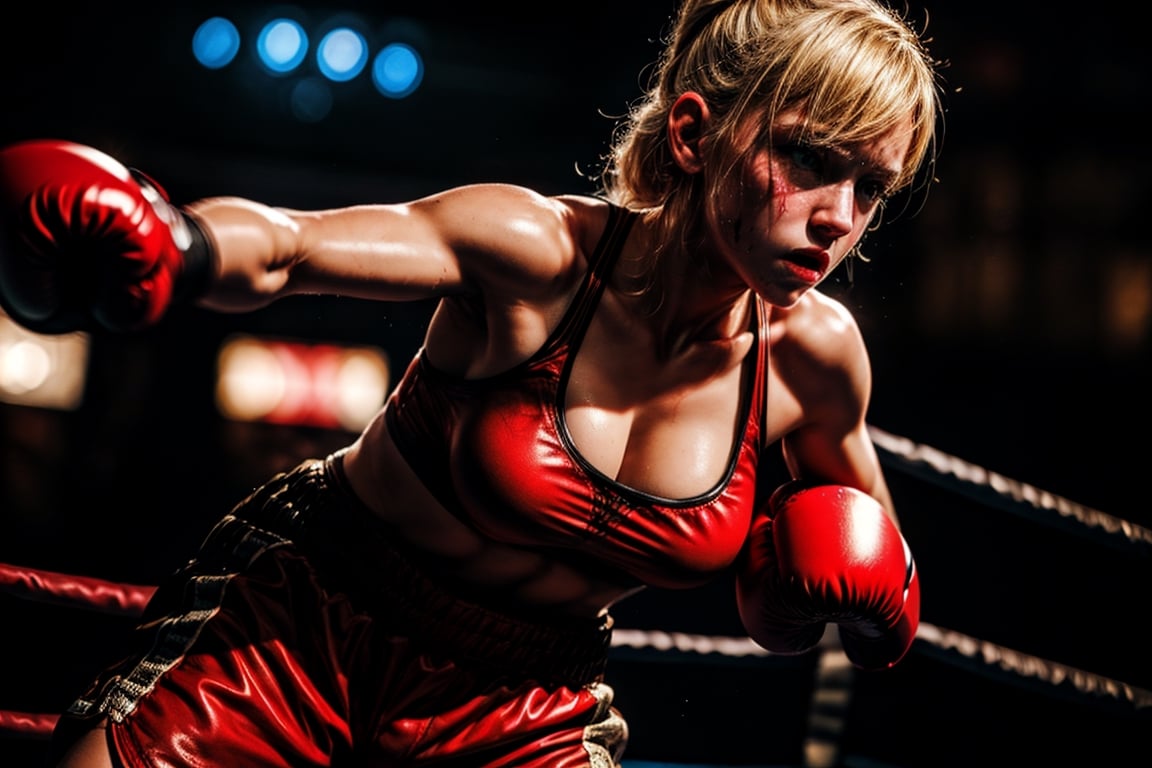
{"points": [[593, 410]]}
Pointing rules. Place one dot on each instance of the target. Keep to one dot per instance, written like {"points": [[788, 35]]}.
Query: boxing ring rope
{"points": [[924, 462], [68, 590], [995, 490]]}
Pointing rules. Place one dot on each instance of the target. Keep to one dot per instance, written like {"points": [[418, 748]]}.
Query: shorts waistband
{"points": [[313, 507]]}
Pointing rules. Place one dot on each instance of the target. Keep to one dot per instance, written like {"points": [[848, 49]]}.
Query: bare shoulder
{"points": [[819, 325], [506, 231], [817, 345], [521, 256]]}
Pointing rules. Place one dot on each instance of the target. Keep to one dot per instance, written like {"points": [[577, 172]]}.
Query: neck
{"points": [[698, 308]]}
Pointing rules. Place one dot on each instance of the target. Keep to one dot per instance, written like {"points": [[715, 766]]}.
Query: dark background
{"points": [[1009, 315]]}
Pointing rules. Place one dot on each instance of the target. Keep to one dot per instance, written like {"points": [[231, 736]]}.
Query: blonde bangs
{"points": [[855, 82]]}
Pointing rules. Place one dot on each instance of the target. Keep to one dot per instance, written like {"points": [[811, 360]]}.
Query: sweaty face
{"points": [[796, 205]]}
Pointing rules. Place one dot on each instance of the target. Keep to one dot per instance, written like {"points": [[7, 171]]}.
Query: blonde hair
{"points": [[854, 68]]}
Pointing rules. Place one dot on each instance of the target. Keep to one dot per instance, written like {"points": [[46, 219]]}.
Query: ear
{"points": [[686, 122]]}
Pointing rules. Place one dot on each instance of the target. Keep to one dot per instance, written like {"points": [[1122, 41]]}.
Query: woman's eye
{"points": [[873, 191], [805, 158]]}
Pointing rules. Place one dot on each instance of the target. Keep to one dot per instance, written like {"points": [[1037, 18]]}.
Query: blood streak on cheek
{"points": [[780, 194]]}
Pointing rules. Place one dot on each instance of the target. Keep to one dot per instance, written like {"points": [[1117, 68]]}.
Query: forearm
{"points": [[378, 252], [851, 460], [253, 249]]}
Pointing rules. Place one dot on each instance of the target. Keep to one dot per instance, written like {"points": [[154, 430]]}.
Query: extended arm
{"points": [[86, 241]]}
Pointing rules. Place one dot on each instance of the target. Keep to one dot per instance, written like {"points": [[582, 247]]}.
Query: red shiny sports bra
{"points": [[496, 453]]}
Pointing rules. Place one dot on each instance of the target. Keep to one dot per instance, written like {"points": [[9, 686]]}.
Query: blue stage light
{"points": [[342, 54], [397, 70], [282, 45], [216, 42]]}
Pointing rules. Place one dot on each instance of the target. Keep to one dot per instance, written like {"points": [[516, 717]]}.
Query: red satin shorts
{"points": [[299, 636]]}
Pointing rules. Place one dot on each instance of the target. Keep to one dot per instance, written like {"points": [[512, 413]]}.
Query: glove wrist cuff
{"points": [[199, 262]]}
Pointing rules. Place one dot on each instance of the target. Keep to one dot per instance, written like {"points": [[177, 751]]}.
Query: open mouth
{"points": [[815, 262], [808, 266]]}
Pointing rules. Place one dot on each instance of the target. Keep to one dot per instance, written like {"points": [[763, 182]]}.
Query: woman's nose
{"points": [[836, 209]]}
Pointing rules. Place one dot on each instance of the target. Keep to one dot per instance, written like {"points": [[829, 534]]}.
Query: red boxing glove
{"points": [[829, 553], [83, 238]]}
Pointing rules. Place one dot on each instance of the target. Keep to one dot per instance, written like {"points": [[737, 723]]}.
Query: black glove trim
{"points": [[199, 262], [199, 254]]}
